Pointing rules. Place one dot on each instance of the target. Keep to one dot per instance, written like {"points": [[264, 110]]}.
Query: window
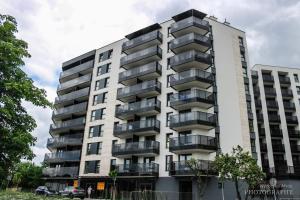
{"points": [[168, 118], [245, 73], [169, 98], [168, 63], [101, 57], [296, 78], [100, 98], [92, 166], [113, 164], [168, 135], [98, 114], [243, 58], [185, 157], [169, 80], [96, 131], [103, 69], [241, 41], [169, 160], [94, 148], [169, 31], [247, 89], [251, 126], [298, 89], [110, 52], [168, 47], [102, 83]]}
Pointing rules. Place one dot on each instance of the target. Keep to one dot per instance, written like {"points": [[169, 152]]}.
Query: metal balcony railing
{"points": [[136, 127], [56, 142], [74, 82], [61, 172], [178, 168], [291, 119], [72, 95], [193, 142], [136, 148], [195, 117], [268, 78], [270, 91], [81, 107], [289, 105], [72, 156], [278, 147], [272, 104], [284, 80], [68, 124], [77, 69], [137, 169]]}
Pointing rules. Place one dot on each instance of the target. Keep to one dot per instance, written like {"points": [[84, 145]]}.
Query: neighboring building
{"points": [[158, 97], [277, 100]]}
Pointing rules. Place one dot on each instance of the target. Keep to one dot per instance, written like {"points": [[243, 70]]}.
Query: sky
{"points": [[57, 31]]}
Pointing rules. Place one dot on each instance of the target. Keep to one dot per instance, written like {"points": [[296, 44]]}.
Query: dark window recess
{"points": [[100, 98], [103, 69], [168, 135], [102, 83], [168, 63], [241, 41], [92, 166], [105, 55], [169, 160], [113, 164], [298, 89], [168, 118], [94, 148], [169, 31], [296, 78], [97, 114], [169, 98], [96, 131]]}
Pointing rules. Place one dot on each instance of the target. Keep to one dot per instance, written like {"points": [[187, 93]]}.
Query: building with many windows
{"points": [[146, 104]]}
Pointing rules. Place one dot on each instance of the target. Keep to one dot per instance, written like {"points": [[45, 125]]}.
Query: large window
{"points": [[103, 69], [96, 131], [94, 148], [169, 160], [92, 166], [105, 55], [98, 114], [100, 98], [102, 83]]}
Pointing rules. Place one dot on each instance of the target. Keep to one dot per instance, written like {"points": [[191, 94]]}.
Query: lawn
{"points": [[11, 195]]}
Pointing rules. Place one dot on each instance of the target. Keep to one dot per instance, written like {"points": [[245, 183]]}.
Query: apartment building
{"points": [[149, 102], [277, 100]]}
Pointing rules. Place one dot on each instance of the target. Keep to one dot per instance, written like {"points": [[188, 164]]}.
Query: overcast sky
{"points": [[58, 30]]}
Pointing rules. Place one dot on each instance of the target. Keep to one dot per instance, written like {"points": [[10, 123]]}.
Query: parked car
{"points": [[72, 191], [43, 190]]}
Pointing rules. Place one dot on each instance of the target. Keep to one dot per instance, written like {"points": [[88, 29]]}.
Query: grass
{"points": [[13, 195]]}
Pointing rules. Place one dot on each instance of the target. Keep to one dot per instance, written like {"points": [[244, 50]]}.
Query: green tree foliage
{"points": [[239, 166], [15, 88], [27, 175], [113, 175]]}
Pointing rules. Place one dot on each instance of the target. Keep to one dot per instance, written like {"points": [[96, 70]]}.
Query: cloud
{"points": [[60, 30]]}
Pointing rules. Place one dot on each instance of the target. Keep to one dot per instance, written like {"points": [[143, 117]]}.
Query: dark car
{"points": [[43, 190], [72, 191]]}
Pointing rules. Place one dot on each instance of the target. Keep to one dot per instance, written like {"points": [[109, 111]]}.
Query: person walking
{"points": [[89, 191]]}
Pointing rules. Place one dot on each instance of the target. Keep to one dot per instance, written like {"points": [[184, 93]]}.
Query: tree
{"points": [[27, 175], [15, 88], [113, 174], [239, 166], [196, 166]]}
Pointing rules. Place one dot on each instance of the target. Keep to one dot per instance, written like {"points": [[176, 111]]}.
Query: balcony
{"points": [[291, 119], [74, 84], [257, 103], [268, 79], [256, 91], [140, 108], [191, 78], [193, 120], [193, 143], [142, 57], [270, 92], [66, 156], [141, 90], [284, 80], [190, 25], [78, 95], [74, 72], [276, 133], [66, 126], [294, 133], [180, 168], [144, 148], [71, 172], [57, 142], [261, 132], [70, 111], [254, 74], [272, 105], [140, 128], [274, 118], [138, 169], [295, 148], [278, 148], [191, 41], [190, 59], [142, 42], [286, 93], [192, 98], [146, 72], [289, 106]]}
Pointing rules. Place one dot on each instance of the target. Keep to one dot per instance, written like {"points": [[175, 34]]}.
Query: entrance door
{"points": [[185, 190]]}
